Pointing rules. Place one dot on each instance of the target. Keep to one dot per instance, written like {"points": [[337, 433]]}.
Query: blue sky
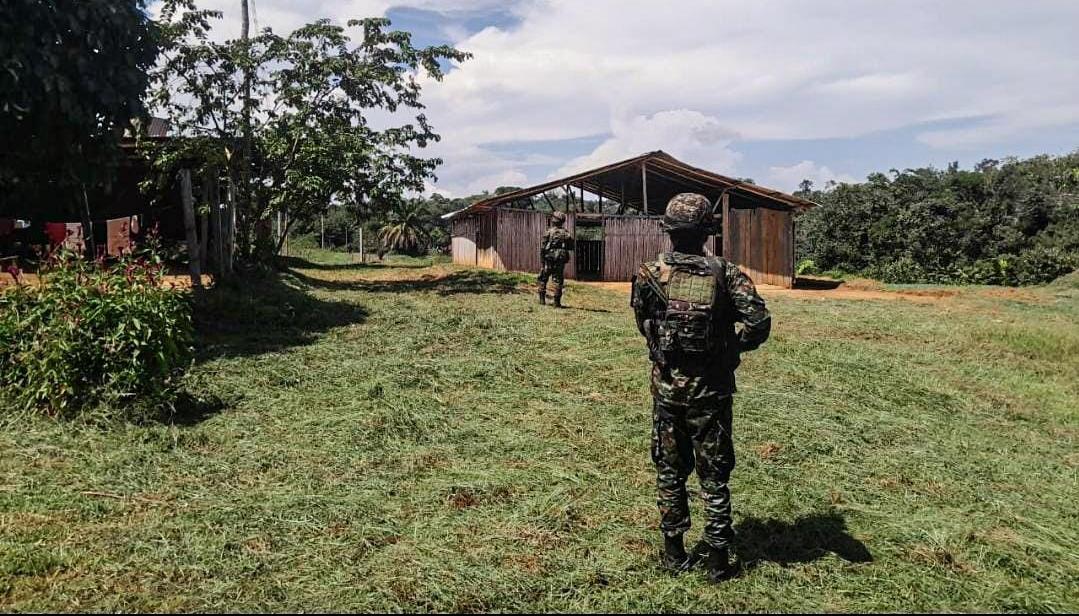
{"points": [[778, 91]]}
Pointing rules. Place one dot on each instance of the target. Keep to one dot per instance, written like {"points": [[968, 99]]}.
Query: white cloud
{"points": [[779, 70], [685, 134], [509, 177], [643, 74], [788, 178]]}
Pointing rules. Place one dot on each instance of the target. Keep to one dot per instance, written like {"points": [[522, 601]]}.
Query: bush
{"points": [[805, 267], [1040, 265], [92, 333], [901, 271]]}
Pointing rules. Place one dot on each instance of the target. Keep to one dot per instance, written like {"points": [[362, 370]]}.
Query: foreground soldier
{"points": [[686, 305], [554, 253]]}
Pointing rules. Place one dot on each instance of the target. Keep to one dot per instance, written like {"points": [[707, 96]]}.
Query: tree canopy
{"points": [[314, 95], [1003, 222], [72, 76]]}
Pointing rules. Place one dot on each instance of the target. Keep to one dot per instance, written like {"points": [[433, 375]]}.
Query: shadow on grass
{"points": [[265, 314], [301, 263], [806, 539], [453, 283], [190, 409], [816, 284]]}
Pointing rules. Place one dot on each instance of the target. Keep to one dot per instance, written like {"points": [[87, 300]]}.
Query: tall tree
{"points": [[312, 95], [72, 77]]}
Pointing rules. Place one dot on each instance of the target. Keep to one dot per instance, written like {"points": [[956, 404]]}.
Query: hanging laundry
{"points": [[118, 232], [65, 234]]}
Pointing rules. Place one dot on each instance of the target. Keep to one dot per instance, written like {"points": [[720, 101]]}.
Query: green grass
{"points": [[418, 437]]}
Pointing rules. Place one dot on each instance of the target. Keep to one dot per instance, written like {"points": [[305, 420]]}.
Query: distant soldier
{"points": [[554, 253], [686, 305]]}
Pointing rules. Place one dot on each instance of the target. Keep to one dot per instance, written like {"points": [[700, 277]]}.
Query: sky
{"points": [[774, 90]]}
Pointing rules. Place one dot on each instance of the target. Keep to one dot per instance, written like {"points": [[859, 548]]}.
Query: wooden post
{"points": [[188, 201], [566, 188], [363, 253], [322, 231], [644, 188], [725, 250], [622, 203], [583, 208]]}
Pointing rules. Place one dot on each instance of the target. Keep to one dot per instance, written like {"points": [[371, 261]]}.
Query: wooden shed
{"points": [[614, 213]]}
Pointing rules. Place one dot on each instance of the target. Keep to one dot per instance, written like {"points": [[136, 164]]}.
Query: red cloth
{"points": [[56, 231], [66, 234]]}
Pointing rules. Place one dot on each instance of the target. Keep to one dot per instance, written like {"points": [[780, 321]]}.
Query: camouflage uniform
{"points": [[692, 399], [554, 254]]}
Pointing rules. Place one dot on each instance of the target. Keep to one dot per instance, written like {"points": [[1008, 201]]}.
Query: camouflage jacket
{"points": [[556, 244], [702, 382]]}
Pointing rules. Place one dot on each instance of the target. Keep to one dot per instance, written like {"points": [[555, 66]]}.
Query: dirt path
{"points": [[857, 290]]}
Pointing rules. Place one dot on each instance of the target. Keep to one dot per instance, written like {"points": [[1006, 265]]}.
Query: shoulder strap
{"points": [[720, 275]]}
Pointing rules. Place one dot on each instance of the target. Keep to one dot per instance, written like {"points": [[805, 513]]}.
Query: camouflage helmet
{"points": [[688, 211], [558, 219]]}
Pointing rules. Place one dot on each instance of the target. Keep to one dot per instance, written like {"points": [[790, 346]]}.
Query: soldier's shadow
{"points": [[804, 540]]}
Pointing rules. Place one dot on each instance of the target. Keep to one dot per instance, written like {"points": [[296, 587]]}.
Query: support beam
{"points": [[644, 188], [725, 250], [187, 201]]}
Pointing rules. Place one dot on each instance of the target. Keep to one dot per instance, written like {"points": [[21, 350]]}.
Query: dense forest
{"points": [[1011, 222]]}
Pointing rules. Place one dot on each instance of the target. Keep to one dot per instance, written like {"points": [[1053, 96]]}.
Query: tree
{"points": [[311, 96], [72, 77], [1004, 222], [406, 229]]}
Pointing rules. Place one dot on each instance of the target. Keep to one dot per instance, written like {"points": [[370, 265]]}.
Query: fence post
{"points": [[188, 201]]}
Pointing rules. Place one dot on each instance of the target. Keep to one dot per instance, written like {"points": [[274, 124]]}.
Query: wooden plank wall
{"points": [[571, 226], [629, 241], [486, 240], [463, 242], [762, 244], [520, 234]]}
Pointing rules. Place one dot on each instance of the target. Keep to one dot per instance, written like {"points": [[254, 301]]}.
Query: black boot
{"points": [[675, 558], [716, 561], [542, 298], [557, 301]]}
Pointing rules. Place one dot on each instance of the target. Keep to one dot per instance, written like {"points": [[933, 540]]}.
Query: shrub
{"points": [[92, 333], [1039, 265], [899, 271], [805, 267]]}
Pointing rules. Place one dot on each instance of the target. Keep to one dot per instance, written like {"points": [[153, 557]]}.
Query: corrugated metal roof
{"points": [[666, 169]]}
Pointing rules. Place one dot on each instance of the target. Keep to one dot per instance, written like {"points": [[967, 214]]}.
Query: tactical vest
{"points": [[688, 327], [556, 245]]}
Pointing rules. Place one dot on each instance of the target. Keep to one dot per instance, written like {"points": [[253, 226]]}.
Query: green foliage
{"points": [[312, 93], [92, 333], [805, 267], [1013, 223], [72, 74], [404, 231]]}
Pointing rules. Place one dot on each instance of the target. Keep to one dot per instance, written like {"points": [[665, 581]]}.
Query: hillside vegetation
{"points": [[423, 437]]}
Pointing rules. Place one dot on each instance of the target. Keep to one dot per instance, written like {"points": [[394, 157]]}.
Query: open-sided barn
{"points": [[623, 230]]}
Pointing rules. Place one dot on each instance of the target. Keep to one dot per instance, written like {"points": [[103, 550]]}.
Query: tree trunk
{"points": [[188, 201]]}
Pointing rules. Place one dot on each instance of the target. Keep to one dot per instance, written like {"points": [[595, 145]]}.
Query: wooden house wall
{"points": [[463, 242], [520, 234], [761, 241], [487, 241], [629, 241]]}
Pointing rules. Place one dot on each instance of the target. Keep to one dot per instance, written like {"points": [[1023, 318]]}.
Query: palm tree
{"points": [[404, 231]]}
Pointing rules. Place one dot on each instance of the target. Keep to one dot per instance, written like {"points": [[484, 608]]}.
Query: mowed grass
{"points": [[413, 437]]}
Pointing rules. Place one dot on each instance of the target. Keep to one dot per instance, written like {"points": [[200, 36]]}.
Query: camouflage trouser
{"points": [[553, 270], [680, 436]]}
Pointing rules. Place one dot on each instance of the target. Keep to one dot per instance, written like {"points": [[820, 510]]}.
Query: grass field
{"points": [[416, 437]]}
